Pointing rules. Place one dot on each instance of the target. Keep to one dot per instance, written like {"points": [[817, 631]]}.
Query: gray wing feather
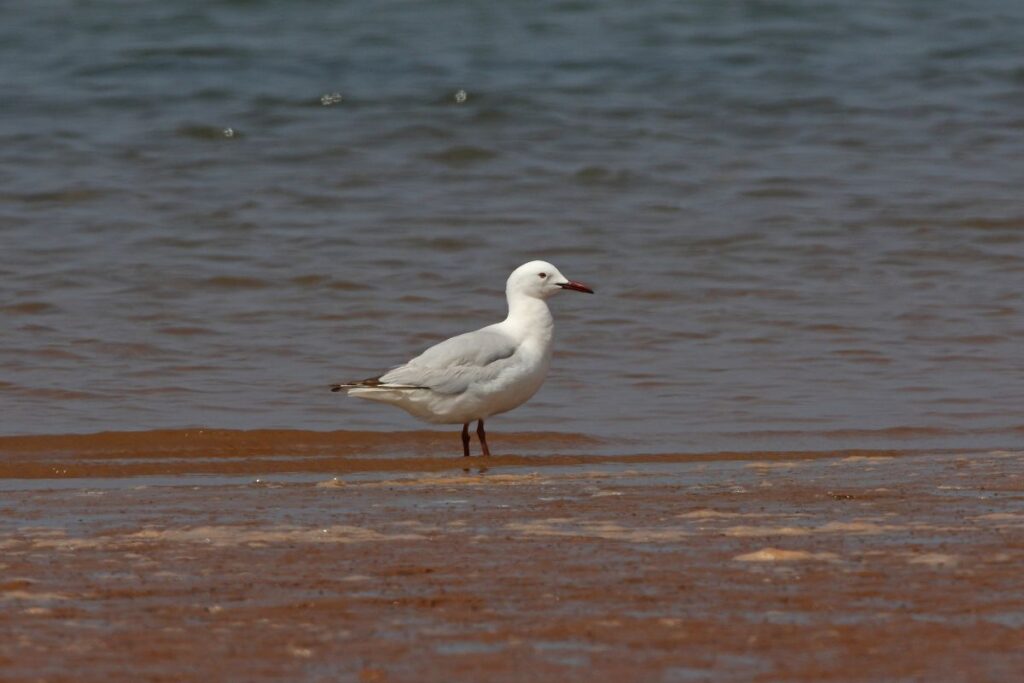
{"points": [[453, 365]]}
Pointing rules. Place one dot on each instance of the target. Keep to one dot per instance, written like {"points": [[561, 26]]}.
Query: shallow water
{"points": [[756, 569], [803, 220]]}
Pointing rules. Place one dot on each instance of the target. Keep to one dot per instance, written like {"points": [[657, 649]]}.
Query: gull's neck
{"points": [[529, 317]]}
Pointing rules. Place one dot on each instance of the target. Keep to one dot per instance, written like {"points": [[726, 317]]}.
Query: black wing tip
{"points": [[371, 382]]}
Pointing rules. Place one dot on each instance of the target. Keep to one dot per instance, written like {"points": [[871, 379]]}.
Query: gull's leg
{"points": [[482, 436], [465, 440]]}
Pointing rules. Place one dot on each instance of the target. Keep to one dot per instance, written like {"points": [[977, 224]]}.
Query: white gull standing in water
{"points": [[482, 373]]}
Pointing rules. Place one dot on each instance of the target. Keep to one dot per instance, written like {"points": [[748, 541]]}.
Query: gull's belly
{"points": [[508, 390], [512, 389]]}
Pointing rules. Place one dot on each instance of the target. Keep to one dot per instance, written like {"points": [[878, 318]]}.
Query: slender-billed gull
{"points": [[482, 373]]}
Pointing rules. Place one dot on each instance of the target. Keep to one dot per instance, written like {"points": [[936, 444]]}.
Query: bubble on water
{"points": [[228, 132], [330, 98], [460, 96]]}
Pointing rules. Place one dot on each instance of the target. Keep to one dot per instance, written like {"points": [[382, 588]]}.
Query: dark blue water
{"points": [[801, 217]]}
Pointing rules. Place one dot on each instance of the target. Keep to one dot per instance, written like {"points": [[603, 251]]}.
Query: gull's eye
{"points": [[542, 275]]}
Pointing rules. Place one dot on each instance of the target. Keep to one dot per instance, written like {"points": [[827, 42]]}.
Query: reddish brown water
{"points": [[221, 562]]}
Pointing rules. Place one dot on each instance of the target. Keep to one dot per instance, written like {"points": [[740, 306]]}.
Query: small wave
{"points": [[314, 281], [987, 223], [29, 308], [47, 393], [309, 280], [775, 193], [185, 331], [235, 282], [444, 244], [74, 195], [418, 131], [652, 295], [863, 356], [831, 328], [51, 353], [206, 132], [602, 176], [193, 51], [461, 155], [128, 349], [969, 339], [899, 432], [729, 293]]}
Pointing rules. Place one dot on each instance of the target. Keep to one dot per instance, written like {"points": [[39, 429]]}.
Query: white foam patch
{"points": [[709, 514], [1008, 518], [779, 555], [35, 597], [858, 527], [560, 526], [935, 560], [233, 535], [867, 458], [744, 531], [461, 480], [773, 465], [224, 535]]}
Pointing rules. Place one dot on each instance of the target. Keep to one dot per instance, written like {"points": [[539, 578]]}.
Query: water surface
{"points": [[804, 220]]}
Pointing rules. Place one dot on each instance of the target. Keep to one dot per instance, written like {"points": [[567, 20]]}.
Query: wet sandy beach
{"points": [[335, 564]]}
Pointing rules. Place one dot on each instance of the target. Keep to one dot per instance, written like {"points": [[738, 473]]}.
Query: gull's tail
{"points": [[372, 383]]}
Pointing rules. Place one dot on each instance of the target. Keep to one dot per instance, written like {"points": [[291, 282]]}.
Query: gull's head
{"points": [[539, 280]]}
